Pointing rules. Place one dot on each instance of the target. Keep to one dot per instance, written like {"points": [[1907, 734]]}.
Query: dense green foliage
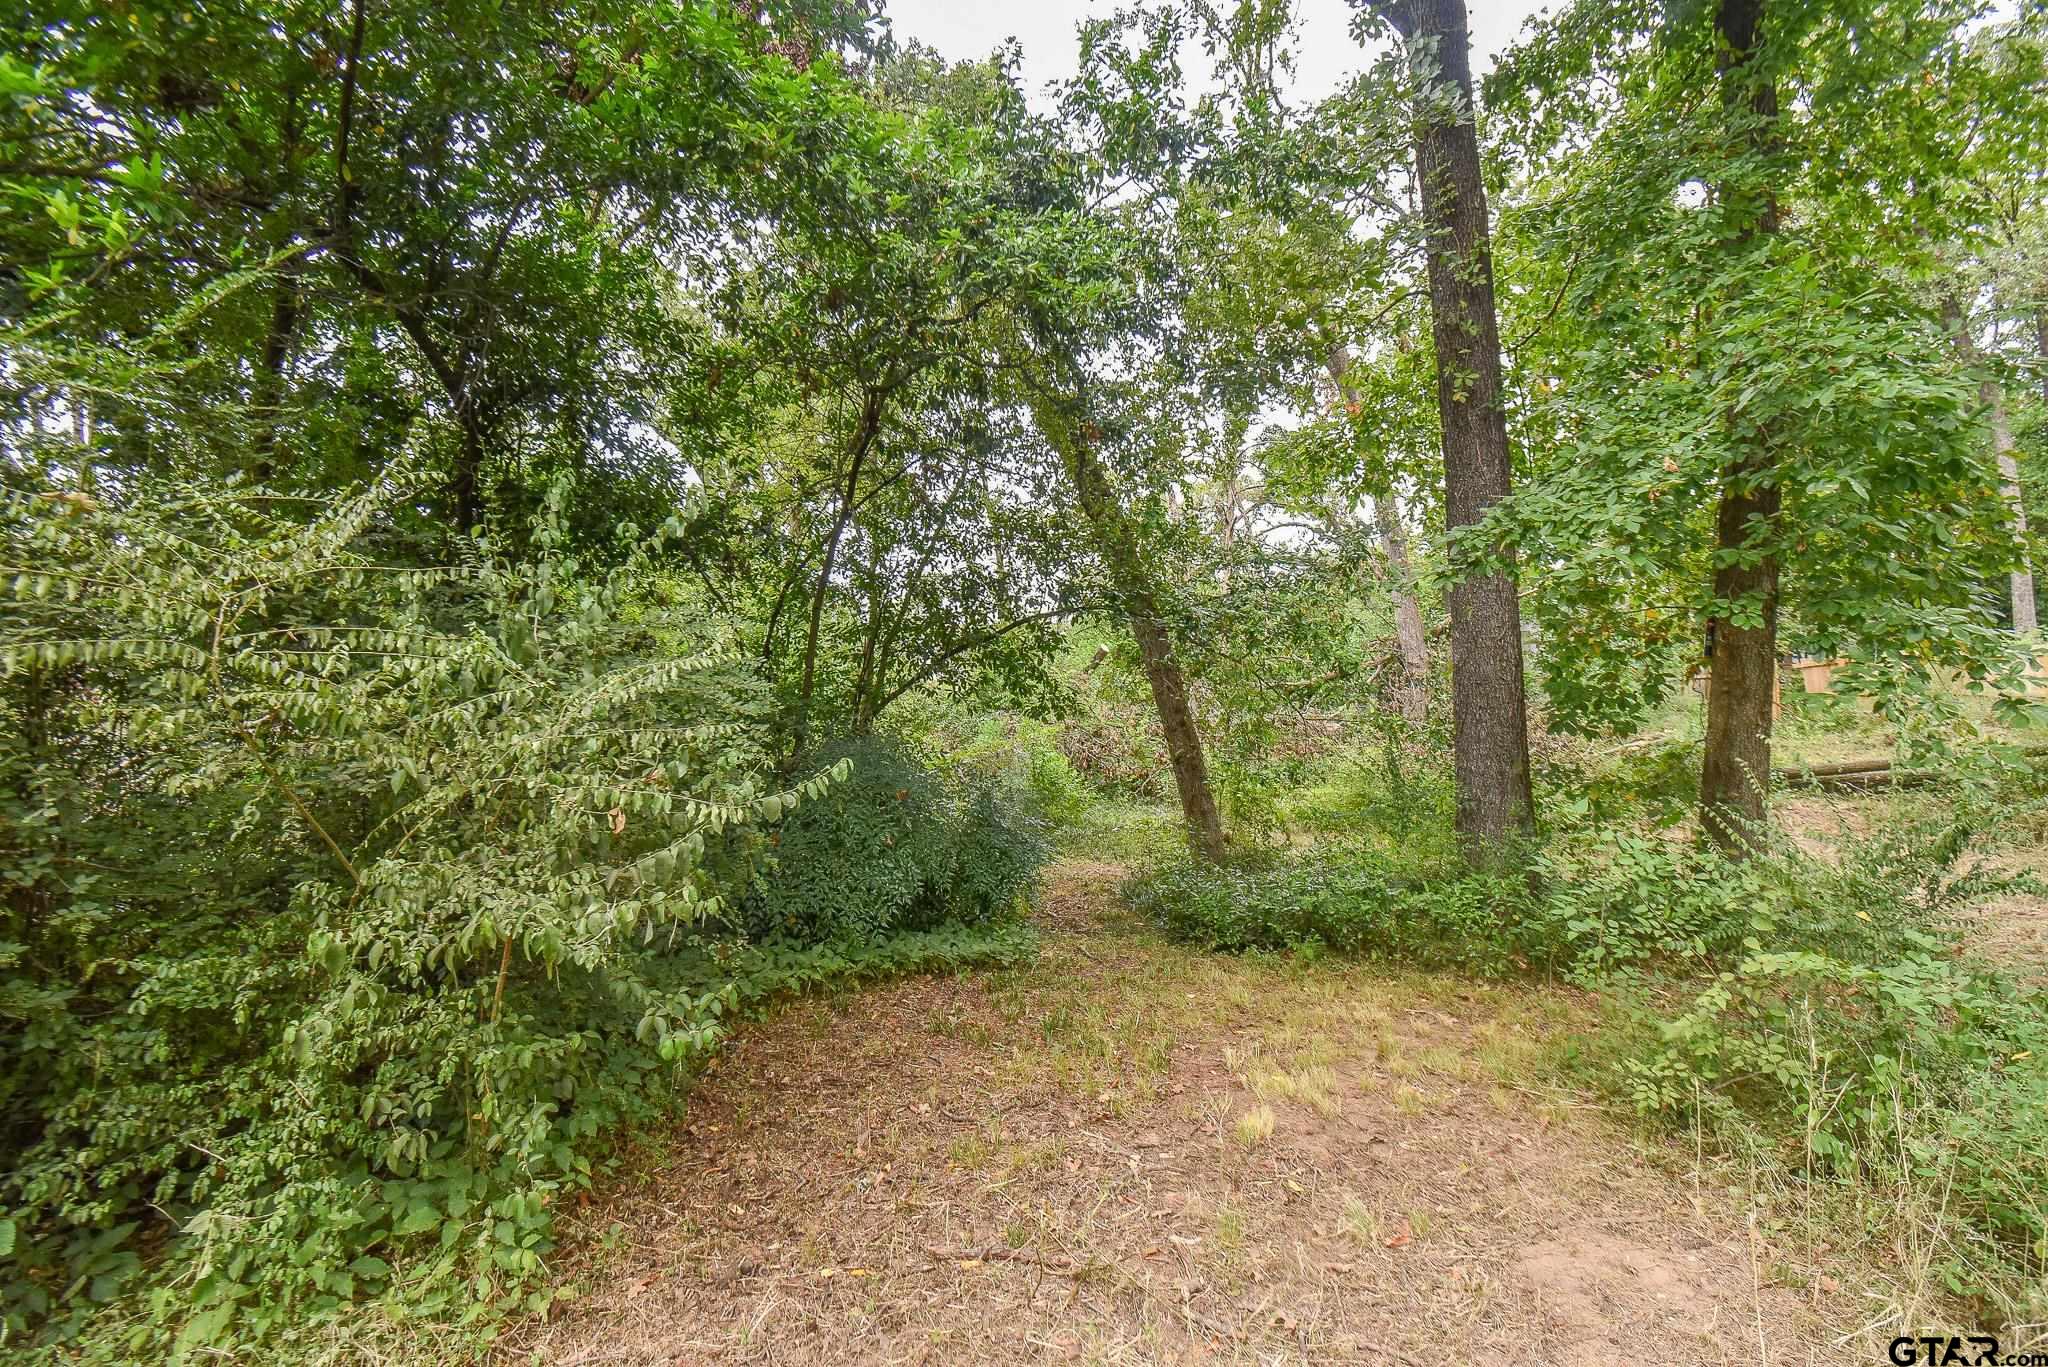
{"points": [[1343, 900], [533, 529], [890, 849], [353, 901]]}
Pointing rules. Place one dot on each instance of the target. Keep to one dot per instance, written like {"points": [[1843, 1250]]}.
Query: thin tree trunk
{"points": [[1735, 773], [863, 698], [1413, 699], [1118, 546], [1227, 497], [1408, 630], [1489, 719], [2041, 348], [864, 438], [2025, 619], [1992, 395]]}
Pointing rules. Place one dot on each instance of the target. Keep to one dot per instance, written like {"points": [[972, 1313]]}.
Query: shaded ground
{"points": [[1134, 1153]]}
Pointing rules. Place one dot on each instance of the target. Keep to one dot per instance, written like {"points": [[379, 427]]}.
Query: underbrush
{"points": [[1347, 899], [350, 908], [893, 847], [1819, 1015]]}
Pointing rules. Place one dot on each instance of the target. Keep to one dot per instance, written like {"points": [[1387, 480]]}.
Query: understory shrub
{"points": [[348, 904], [1345, 898], [1843, 1032], [893, 847]]}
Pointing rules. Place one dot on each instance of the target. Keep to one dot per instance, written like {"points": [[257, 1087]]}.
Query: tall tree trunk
{"points": [[1413, 699], [1228, 496], [1117, 543], [1735, 773], [2024, 617], [1489, 718]]}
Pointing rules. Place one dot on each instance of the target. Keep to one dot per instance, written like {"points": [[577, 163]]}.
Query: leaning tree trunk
{"points": [[1489, 719], [1413, 699], [1735, 774], [1117, 543]]}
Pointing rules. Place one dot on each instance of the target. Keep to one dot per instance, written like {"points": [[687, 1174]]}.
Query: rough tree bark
{"points": [[1413, 699], [1735, 774], [1489, 720], [1072, 438]]}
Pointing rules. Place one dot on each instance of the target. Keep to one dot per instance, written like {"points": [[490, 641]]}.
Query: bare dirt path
{"points": [[1135, 1153]]}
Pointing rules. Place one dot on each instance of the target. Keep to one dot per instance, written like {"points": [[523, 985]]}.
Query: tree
{"points": [[1489, 718], [1745, 420], [1742, 631], [1393, 539], [470, 213]]}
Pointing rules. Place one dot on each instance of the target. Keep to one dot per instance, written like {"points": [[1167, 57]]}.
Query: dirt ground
{"points": [[1131, 1152]]}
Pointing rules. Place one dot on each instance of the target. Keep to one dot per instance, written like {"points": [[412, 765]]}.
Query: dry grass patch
{"points": [[1155, 1156]]}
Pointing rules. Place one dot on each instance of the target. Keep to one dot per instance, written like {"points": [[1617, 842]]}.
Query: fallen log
{"points": [[1854, 776], [1845, 767]]}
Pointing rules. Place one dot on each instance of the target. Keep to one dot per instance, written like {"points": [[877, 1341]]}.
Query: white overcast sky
{"points": [[963, 30]]}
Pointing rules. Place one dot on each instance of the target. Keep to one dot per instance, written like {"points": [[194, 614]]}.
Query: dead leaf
{"points": [[618, 821]]}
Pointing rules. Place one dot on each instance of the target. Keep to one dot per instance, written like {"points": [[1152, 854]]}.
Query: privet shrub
{"points": [[892, 847], [345, 904]]}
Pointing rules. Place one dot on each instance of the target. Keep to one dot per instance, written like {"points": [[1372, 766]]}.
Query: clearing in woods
{"points": [[1133, 1152]]}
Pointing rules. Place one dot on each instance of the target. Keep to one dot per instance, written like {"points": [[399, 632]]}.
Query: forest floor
{"points": [[1134, 1152]]}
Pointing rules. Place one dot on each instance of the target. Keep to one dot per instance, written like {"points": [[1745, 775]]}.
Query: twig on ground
{"points": [[1061, 1264]]}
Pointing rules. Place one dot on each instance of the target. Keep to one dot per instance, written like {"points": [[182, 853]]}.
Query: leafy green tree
{"points": [[471, 211], [1717, 334]]}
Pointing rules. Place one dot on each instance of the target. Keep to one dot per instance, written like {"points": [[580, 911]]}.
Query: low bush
{"points": [[348, 907], [892, 847], [1851, 1037], [1343, 898]]}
